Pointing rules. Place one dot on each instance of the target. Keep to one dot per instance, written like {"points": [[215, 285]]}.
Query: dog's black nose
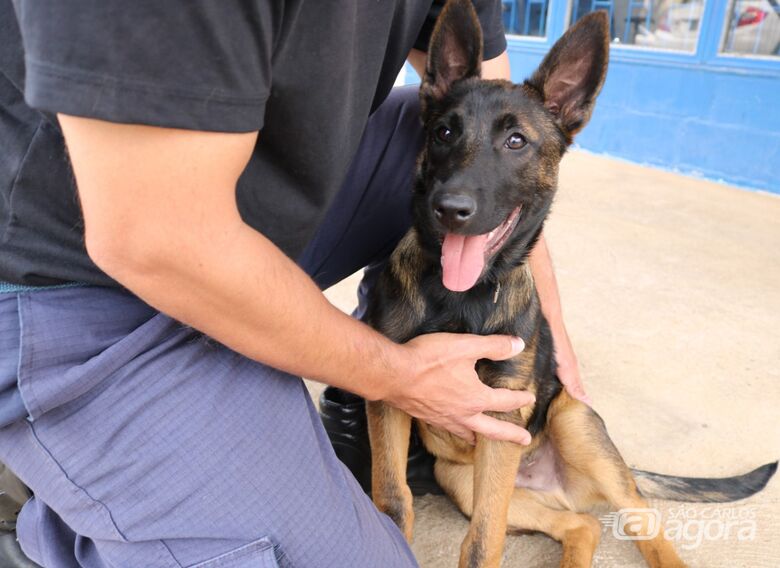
{"points": [[454, 209]]}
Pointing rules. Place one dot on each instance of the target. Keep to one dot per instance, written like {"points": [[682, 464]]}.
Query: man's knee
{"points": [[404, 103]]}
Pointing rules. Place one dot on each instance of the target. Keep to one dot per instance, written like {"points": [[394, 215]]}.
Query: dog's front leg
{"points": [[495, 468], [388, 431]]}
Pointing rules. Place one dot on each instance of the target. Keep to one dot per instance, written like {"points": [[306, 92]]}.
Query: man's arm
{"points": [[539, 260], [161, 218], [496, 68], [549, 297]]}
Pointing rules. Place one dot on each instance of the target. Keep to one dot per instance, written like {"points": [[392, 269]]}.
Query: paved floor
{"points": [[671, 290]]}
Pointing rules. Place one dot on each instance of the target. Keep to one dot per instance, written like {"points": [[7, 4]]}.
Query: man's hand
{"points": [[445, 391]]}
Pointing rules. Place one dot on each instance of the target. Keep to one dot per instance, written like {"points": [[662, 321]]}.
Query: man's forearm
{"points": [[247, 294], [549, 298], [161, 218], [547, 288], [496, 68]]}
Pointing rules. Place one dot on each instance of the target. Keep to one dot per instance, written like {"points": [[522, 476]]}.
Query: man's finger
{"points": [[576, 391], [496, 429], [506, 400], [494, 347]]}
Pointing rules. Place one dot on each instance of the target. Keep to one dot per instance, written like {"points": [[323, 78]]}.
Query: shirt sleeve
{"points": [[491, 16], [490, 13], [199, 65]]}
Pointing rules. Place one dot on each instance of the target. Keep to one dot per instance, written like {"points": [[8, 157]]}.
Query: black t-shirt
{"points": [[306, 73]]}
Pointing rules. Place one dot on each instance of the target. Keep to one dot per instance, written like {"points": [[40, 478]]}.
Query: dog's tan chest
{"points": [[444, 445]]}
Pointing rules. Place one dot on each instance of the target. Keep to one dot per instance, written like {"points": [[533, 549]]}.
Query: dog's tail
{"points": [[702, 489]]}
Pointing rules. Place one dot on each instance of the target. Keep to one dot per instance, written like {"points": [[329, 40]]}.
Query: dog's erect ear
{"points": [[455, 51], [571, 76]]}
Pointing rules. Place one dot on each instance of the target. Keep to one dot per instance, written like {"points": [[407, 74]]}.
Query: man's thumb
{"points": [[495, 347]]}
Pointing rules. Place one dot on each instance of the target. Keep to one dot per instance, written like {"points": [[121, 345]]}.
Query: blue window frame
{"points": [[706, 109], [656, 24], [753, 28], [711, 51], [525, 17]]}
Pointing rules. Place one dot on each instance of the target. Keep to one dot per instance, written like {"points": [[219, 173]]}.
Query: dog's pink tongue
{"points": [[462, 260]]}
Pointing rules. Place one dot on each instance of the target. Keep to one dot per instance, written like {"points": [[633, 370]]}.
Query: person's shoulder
{"points": [[198, 66]]}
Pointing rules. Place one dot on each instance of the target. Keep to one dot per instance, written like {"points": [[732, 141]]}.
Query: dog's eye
{"points": [[515, 141], [443, 134]]}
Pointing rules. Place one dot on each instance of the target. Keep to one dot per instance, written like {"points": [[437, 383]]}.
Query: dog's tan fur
{"points": [[481, 479]]}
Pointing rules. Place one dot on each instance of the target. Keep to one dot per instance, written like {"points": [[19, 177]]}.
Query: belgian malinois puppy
{"points": [[484, 184]]}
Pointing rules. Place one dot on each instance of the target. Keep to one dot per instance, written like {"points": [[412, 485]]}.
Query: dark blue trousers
{"points": [[149, 445]]}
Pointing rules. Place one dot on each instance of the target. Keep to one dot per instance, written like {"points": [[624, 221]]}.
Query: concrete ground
{"points": [[671, 291]]}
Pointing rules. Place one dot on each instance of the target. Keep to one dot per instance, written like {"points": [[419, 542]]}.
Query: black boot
{"points": [[13, 494], [344, 417]]}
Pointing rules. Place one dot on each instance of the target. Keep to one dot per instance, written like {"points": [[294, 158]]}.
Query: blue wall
{"points": [[719, 122], [703, 113]]}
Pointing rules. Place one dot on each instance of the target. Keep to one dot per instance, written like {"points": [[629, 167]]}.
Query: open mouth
{"points": [[463, 257]]}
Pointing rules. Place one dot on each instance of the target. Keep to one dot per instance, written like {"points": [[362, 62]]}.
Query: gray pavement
{"points": [[671, 293]]}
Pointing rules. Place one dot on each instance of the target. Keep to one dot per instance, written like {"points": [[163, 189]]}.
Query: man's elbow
{"points": [[122, 253]]}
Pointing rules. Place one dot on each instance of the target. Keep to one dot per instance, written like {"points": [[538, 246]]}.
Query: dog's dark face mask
{"points": [[490, 164]]}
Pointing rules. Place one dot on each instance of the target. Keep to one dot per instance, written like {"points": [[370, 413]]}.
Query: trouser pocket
{"points": [[260, 553]]}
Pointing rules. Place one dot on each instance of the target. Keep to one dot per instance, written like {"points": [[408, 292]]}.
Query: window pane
{"points": [[753, 28], [525, 17], [659, 24]]}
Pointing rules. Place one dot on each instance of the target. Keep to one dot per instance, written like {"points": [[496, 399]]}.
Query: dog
{"points": [[484, 184]]}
